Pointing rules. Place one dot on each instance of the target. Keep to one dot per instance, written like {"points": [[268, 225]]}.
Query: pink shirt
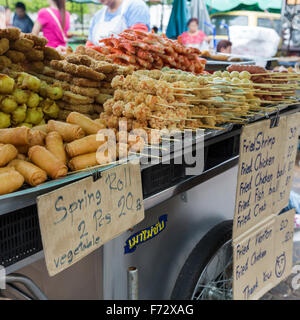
{"points": [[50, 28], [193, 39]]}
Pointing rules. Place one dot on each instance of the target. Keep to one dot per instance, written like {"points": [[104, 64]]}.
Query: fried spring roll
{"points": [[87, 124], [16, 136], [83, 161], [7, 153], [69, 132], [32, 174], [55, 144], [37, 138], [10, 181], [85, 145], [44, 159]]}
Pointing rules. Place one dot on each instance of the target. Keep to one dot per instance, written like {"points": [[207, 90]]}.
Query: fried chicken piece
{"points": [[105, 67], [83, 71], [4, 62], [10, 33], [35, 55], [63, 76], [89, 92], [74, 98], [82, 82], [4, 45], [15, 56], [38, 41], [49, 72], [91, 53], [80, 59], [57, 65], [82, 108], [22, 44], [52, 54]]}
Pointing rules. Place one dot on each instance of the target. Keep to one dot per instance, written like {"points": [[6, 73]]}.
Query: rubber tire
{"points": [[199, 258]]}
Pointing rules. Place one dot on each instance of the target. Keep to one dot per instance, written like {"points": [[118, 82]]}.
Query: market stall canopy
{"points": [[227, 5], [178, 20]]}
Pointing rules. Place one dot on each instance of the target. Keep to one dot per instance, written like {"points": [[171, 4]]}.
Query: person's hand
{"points": [[207, 39]]}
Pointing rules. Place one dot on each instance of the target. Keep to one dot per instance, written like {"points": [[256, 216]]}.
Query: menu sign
{"points": [[79, 218], [266, 164]]}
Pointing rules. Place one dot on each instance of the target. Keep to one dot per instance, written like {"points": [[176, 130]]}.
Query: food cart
{"points": [[186, 260]]}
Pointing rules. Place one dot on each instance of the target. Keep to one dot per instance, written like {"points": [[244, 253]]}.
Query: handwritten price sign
{"points": [[79, 218]]}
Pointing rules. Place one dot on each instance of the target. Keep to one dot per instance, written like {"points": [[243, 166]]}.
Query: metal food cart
{"points": [[191, 258]]}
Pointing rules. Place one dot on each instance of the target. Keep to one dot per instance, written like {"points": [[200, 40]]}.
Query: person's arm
{"points": [[36, 28], [30, 25]]}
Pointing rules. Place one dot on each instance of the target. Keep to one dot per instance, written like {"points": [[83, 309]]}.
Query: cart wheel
{"points": [[207, 273]]}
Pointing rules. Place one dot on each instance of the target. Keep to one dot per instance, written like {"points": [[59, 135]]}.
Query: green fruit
{"points": [[4, 120], [33, 100], [19, 115], [8, 105]]}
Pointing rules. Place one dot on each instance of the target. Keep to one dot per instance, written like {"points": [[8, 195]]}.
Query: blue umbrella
{"points": [[178, 20]]}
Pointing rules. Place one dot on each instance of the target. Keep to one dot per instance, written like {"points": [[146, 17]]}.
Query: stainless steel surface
{"points": [[160, 259], [25, 262], [133, 283], [28, 284]]}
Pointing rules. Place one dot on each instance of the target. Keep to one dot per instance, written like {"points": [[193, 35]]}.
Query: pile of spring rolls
{"points": [[47, 151]]}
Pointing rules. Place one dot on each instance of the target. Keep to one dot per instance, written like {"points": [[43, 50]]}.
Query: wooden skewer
{"points": [[202, 116], [145, 155], [206, 127]]}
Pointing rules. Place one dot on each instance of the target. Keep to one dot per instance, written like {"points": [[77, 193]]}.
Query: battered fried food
{"points": [[37, 66], [4, 45], [82, 108], [105, 85], [63, 84], [83, 71], [38, 41], [80, 59], [6, 84], [89, 92], [10, 33], [4, 62], [63, 114], [52, 54], [102, 98], [47, 79], [107, 91], [15, 56], [22, 44], [48, 71], [57, 65], [105, 67], [73, 98], [35, 55], [92, 53], [98, 109], [63, 76], [82, 82]]}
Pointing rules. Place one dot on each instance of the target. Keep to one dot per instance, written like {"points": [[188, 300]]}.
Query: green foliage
{"points": [[36, 5]]}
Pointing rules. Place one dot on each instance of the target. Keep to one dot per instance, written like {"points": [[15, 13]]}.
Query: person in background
{"points": [[154, 29], [224, 46], [117, 16], [7, 17], [54, 22], [194, 37], [21, 19]]}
